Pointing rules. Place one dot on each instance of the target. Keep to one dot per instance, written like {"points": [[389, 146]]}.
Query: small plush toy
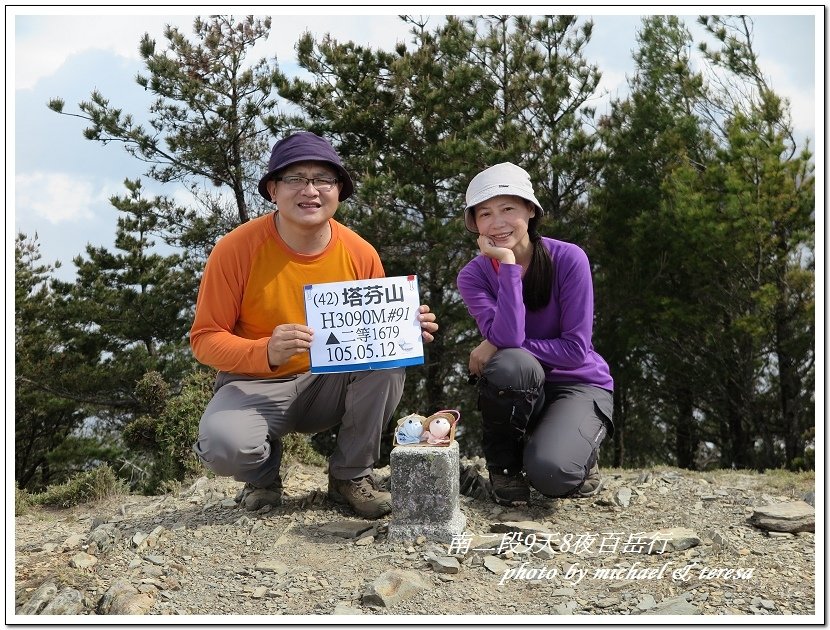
{"points": [[439, 425], [410, 429]]}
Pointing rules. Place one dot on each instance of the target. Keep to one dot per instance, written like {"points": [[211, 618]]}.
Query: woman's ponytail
{"points": [[537, 284]]}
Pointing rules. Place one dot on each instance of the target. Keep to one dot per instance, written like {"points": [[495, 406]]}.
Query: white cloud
{"points": [[612, 86], [58, 197], [43, 43]]}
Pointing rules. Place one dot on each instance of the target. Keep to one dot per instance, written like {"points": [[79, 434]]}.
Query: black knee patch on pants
{"points": [[506, 407], [505, 418]]}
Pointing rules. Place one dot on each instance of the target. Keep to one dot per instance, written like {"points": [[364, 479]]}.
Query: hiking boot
{"points": [[253, 498], [509, 489], [363, 494], [592, 484], [473, 484]]}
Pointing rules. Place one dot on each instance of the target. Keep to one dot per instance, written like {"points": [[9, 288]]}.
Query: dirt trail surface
{"points": [[722, 543]]}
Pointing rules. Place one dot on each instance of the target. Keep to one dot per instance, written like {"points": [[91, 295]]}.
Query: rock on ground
{"points": [[199, 553]]}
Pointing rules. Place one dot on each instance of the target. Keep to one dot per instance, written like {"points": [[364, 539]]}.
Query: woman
{"points": [[545, 395]]}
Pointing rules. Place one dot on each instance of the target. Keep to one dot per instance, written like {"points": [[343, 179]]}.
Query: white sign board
{"points": [[364, 324]]}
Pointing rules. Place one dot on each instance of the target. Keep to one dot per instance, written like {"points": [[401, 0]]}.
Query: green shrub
{"points": [[22, 500], [299, 447], [141, 433], [178, 425], [153, 392], [169, 486], [167, 433], [91, 485]]}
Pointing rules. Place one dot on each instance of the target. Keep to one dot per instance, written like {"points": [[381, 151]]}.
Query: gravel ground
{"points": [[197, 553]]}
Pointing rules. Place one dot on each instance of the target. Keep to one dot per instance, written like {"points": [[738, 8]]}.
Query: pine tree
{"points": [[126, 313], [42, 417], [128, 309], [772, 184], [211, 123], [417, 124], [409, 125], [649, 283]]}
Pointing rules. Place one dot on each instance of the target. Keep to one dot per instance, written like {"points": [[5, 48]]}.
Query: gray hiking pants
{"points": [[241, 429], [551, 430]]}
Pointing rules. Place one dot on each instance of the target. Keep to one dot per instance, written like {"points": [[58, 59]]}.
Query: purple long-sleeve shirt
{"points": [[558, 335]]}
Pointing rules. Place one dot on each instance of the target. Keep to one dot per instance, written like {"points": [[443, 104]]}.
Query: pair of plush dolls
{"points": [[435, 429]]}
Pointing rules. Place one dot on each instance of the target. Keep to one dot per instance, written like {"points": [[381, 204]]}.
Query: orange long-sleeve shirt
{"points": [[253, 281]]}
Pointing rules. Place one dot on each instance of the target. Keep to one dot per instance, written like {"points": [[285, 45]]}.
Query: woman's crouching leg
{"points": [[564, 445]]}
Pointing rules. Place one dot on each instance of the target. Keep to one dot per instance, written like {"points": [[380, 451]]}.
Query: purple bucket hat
{"points": [[304, 147]]}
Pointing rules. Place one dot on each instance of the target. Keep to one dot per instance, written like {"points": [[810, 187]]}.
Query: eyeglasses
{"points": [[295, 182]]}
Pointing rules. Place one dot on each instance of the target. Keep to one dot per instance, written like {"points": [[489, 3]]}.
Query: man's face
{"points": [[300, 203]]}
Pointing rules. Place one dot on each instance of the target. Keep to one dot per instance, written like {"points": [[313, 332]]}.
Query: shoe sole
{"points": [[592, 493], [509, 502], [258, 507]]}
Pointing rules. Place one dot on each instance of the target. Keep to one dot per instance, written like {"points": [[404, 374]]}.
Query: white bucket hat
{"points": [[501, 179]]}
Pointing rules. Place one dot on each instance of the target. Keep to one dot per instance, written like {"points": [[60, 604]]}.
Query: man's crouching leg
{"points": [[368, 400], [234, 440]]}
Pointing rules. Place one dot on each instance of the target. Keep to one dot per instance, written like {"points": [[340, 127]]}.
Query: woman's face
{"points": [[504, 220]]}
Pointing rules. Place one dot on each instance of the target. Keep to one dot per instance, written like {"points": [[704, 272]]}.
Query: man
{"points": [[249, 326]]}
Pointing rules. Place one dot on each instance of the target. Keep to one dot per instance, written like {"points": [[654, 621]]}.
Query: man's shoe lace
{"points": [[364, 495]]}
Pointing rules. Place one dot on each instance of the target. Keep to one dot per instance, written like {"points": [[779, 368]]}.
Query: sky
{"points": [[61, 183]]}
